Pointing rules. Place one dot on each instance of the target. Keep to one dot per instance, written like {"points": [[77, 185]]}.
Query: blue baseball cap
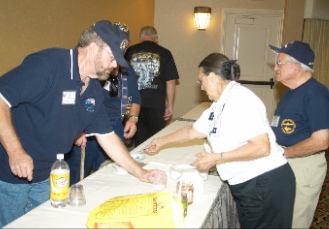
{"points": [[114, 37], [299, 50], [123, 27]]}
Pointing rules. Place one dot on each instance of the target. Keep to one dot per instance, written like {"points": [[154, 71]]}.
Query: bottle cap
{"points": [[60, 156]]}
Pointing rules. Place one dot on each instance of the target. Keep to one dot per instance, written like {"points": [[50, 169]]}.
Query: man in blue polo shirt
{"points": [[122, 102], [301, 125], [45, 103]]}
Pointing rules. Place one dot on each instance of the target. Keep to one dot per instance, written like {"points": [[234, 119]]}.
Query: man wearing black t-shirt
{"points": [[157, 74]]}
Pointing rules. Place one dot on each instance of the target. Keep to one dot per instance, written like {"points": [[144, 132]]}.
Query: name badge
{"points": [[275, 121], [68, 97]]}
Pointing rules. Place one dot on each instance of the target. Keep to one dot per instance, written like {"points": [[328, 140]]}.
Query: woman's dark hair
{"points": [[220, 65]]}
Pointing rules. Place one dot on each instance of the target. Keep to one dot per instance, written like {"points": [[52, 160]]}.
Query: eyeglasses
{"points": [[114, 87], [111, 55], [278, 63], [199, 81]]}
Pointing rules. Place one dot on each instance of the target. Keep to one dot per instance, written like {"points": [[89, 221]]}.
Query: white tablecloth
{"points": [[195, 113], [106, 183]]}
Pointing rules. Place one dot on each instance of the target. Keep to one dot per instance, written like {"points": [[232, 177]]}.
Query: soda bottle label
{"points": [[59, 186]]}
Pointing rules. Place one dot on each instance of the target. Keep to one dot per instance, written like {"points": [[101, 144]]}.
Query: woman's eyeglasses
{"points": [[114, 86]]}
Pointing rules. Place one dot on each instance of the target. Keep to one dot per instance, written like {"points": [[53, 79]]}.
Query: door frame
{"points": [[226, 11], [257, 12]]}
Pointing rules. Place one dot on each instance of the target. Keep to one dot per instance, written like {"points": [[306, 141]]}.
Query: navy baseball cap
{"points": [[114, 37], [299, 50], [123, 27]]}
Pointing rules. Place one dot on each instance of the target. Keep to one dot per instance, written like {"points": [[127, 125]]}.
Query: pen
{"points": [[141, 151]]}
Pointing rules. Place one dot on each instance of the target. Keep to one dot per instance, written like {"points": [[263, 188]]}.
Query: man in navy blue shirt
{"points": [[301, 126], [122, 102], [45, 103], [122, 115]]}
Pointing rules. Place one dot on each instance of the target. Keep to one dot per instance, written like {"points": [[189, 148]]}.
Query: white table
{"points": [[106, 183], [195, 112]]}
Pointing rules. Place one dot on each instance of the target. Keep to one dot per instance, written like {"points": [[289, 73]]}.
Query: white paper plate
{"points": [[176, 170]]}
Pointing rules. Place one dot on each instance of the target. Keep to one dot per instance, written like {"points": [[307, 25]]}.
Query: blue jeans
{"points": [[94, 157], [18, 199]]}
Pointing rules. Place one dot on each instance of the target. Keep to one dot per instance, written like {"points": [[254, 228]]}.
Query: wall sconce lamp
{"points": [[202, 17]]}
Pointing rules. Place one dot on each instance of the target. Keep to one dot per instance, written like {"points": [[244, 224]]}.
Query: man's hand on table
{"points": [[147, 175]]}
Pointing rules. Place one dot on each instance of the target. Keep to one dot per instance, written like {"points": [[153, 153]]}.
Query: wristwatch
{"points": [[133, 116]]}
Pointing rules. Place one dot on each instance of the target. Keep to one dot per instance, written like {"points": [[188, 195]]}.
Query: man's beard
{"points": [[102, 75], [101, 72]]}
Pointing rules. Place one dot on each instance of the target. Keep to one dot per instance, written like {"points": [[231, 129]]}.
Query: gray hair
{"points": [[147, 31], [88, 36], [304, 67]]}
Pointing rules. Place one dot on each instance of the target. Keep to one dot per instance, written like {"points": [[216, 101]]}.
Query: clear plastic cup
{"points": [[77, 196], [159, 182]]}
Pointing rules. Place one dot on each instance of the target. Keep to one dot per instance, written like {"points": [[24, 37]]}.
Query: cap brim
{"points": [[275, 49], [120, 59]]}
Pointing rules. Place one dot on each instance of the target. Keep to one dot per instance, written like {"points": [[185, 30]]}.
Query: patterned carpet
{"points": [[321, 217]]}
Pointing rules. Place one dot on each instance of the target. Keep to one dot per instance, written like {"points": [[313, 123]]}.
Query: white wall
{"points": [[175, 24]]}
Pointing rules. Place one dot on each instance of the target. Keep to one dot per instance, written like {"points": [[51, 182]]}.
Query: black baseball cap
{"points": [[299, 50], [114, 37]]}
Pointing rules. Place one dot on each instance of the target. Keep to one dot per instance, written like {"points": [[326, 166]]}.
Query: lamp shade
{"points": [[202, 17]]}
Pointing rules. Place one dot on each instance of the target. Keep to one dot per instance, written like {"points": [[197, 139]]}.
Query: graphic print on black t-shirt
{"points": [[146, 66]]}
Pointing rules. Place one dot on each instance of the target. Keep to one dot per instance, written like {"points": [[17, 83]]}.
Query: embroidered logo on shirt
{"points": [[288, 126], [90, 104]]}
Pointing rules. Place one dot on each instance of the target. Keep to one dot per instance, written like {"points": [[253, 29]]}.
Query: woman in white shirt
{"points": [[244, 147]]}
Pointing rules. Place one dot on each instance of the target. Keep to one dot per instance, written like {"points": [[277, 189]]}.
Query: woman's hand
{"points": [[153, 147], [206, 160]]}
